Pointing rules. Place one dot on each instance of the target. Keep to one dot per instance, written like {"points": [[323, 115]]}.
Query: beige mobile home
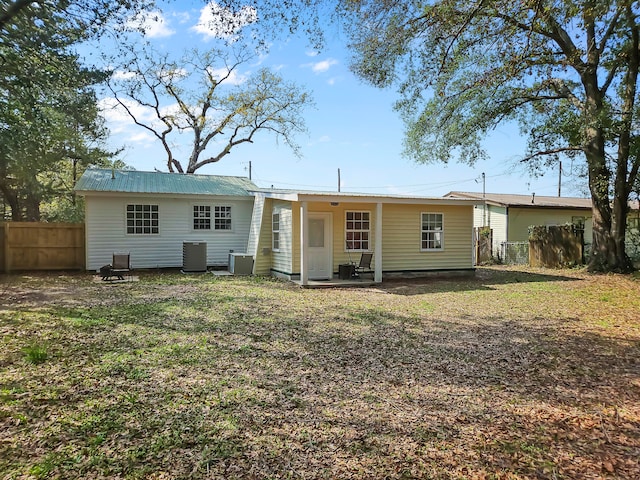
{"points": [[307, 235], [510, 216]]}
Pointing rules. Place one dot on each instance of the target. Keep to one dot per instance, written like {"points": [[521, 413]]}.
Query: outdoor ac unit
{"points": [[194, 256], [240, 264]]}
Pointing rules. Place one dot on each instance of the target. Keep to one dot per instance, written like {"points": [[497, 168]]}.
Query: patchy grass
{"points": [[513, 374]]}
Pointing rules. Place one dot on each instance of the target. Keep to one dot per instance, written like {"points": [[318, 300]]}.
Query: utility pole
{"points": [[338, 180], [484, 202], [560, 180], [249, 169]]}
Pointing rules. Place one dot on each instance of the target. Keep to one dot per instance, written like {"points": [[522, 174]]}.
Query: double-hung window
{"points": [[432, 231], [357, 230], [222, 217], [142, 219], [201, 217], [275, 232]]}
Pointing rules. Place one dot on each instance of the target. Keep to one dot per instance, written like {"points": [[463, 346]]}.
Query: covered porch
{"points": [[309, 237]]}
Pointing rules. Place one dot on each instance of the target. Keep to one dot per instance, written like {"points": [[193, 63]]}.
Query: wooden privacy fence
{"points": [[41, 246], [556, 246]]}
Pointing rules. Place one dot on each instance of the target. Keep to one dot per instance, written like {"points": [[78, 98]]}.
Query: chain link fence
{"points": [[514, 253]]}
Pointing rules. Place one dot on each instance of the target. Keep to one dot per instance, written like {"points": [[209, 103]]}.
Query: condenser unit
{"points": [[240, 264], [194, 256]]}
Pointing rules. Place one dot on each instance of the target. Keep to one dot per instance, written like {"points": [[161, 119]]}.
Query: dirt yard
{"points": [[513, 374]]}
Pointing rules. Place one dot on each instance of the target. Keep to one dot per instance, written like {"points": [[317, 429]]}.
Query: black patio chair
{"points": [[364, 266]]}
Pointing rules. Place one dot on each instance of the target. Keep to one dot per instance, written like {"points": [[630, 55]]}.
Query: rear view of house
{"points": [[152, 214]]}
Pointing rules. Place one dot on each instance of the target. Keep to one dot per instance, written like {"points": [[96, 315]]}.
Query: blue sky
{"points": [[352, 127]]}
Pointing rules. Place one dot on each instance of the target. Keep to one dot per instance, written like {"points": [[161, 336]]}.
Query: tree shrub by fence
{"points": [[41, 246], [556, 246]]}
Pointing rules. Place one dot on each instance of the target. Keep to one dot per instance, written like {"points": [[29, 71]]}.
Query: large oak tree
{"points": [[205, 96], [566, 70]]}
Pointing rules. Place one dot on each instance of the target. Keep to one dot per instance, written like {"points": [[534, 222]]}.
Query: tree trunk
{"points": [[11, 198], [32, 204], [607, 250], [609, 224]]}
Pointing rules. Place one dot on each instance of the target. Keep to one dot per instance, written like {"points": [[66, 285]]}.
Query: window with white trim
{"points": [[201, 217], [142, 219], [432, 231], [357, 231], [275, 232], [222, 217]]}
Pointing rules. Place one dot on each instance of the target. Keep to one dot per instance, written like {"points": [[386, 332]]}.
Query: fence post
{"points": [[7, 260]]}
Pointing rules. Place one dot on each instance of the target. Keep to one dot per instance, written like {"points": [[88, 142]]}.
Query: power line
{"points": [[423, 186]]}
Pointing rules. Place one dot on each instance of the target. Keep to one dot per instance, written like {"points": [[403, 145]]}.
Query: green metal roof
{"points": [[132, 181]]}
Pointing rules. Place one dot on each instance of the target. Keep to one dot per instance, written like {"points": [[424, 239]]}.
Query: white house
{"points": [[299, 235], [151, 214]]}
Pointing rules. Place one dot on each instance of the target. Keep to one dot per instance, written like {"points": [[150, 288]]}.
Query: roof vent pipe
{"points": [[533, 197]]}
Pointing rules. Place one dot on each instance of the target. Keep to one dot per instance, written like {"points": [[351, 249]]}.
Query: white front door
{"points": [[319, 251]]}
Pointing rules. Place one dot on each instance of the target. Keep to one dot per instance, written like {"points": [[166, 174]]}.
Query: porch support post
{"points": [[304, 235], [377, 254]]}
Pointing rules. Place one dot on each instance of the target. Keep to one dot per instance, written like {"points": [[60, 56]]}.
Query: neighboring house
{"points": [[509, 216], [307, 235], [151, 214]]}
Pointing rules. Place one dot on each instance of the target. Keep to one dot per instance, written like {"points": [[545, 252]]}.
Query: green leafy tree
{"points": [[48, 108], [567, 71], [48, 112], [202, 94]]}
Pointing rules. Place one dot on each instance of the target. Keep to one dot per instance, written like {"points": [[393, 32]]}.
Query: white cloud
{"points": [[119, 121], [122, 75], [322, 66], [153, 24], [142, 138], [174, 74], [218, 22], [235, 78], [321, 139]]}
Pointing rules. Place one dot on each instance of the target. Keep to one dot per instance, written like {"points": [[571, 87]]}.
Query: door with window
{"points": [[319, 251]]}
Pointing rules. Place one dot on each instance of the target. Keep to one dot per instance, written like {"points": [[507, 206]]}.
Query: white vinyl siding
{"points": [[106, 231], [282, 260], [496, 219]]}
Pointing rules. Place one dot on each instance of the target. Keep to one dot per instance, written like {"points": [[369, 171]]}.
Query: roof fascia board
{"points": [[381, 199], [184, 196], [346, 198], [551, 207]]}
